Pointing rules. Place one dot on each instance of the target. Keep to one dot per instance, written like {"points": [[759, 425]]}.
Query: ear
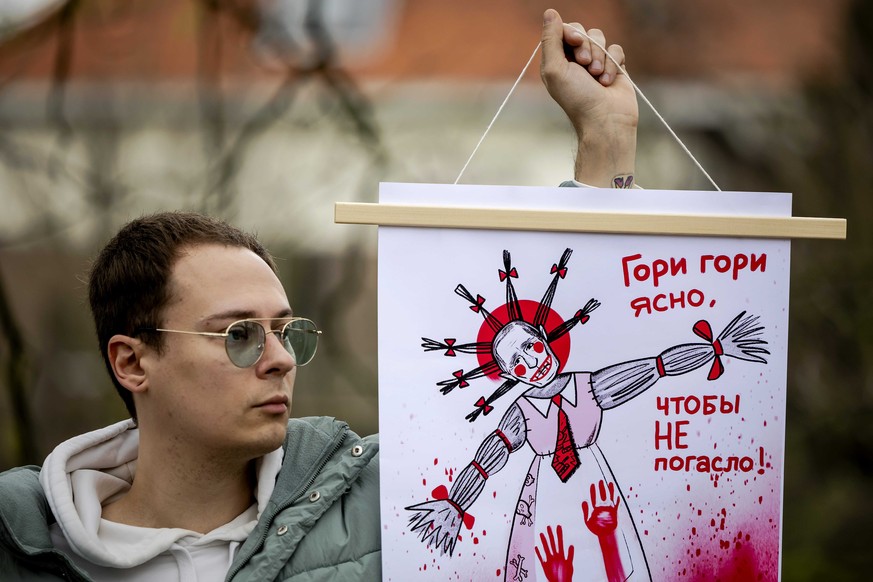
{"points": [[124, 354]]}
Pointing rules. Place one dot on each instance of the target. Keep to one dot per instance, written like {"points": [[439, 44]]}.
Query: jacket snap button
{"points": [[282, 530], [314, 496], [357, 451]]}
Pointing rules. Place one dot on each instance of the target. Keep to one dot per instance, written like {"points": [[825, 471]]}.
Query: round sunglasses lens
{"points": [[301, 339], [245, 343]]}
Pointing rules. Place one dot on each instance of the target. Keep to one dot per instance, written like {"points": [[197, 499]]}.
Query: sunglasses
{"points": [[245, 340]]}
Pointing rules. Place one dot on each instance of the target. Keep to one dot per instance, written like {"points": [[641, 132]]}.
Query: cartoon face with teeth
{"points": [[523, 354]]}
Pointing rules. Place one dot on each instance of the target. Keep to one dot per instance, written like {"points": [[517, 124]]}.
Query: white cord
{"points": [[655, 111], [487, 129], [623, 72]]}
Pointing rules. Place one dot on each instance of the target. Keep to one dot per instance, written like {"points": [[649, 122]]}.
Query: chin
{"points": [[267, 439], [277, 434]]}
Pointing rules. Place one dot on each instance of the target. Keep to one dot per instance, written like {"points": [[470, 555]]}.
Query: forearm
{"points": [[614, 385], [490, 458], [584, 75], [611, 558]]}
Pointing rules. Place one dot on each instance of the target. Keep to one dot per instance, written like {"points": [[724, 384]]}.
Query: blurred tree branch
{"points": [[311, 57], [15, 365]]}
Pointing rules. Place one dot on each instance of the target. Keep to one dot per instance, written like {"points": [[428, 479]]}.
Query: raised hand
{"points": [[557, 566], [604, 515], [581, 77], [602, 522], [599, 101]]}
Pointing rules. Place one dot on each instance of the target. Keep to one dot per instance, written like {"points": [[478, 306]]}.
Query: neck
{"points": [[550, 389], [180, 488]]}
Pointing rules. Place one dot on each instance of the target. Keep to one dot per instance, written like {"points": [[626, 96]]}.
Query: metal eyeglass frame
{"points": [[277, 332]]}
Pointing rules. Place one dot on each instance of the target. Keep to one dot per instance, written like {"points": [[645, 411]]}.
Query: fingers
{"points": [[589, 49], [606, 63], [575, 38], [539, 557], [607, 494], [611, 67], [560, 540], [598, 55], [546, 548]]}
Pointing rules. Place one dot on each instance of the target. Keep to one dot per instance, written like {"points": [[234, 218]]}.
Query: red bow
{"points": [[441, 493], [459, 374], [479, 301], [503, 274], [703, 330], [486, 408], [449, 343], [561, 272]]}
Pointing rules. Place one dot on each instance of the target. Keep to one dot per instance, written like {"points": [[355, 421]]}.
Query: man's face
{"points": [[525, 356], [196, 397]]}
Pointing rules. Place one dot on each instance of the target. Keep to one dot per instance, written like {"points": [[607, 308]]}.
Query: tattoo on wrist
{"points": [[623, 181]]}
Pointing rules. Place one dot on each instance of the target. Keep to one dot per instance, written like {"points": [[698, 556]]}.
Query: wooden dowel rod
{"points": [[596, 222]]}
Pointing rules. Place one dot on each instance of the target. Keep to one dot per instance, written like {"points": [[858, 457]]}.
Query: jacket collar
{"points": [[30, 507], [322, 458], [25, 518]]}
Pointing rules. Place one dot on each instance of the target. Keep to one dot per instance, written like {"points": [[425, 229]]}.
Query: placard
{"points": [[576, 406]]}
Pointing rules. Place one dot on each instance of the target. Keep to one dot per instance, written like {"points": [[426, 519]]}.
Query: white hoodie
{"points": [[88, 471]]}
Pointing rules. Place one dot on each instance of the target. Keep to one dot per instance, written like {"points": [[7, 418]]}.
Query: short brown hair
{"points": [[128, 286]]}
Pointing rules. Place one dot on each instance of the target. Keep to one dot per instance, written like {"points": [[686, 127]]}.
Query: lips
{"points": [[277, 404], [542, 370]]}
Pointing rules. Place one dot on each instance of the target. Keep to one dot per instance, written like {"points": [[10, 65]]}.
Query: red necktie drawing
{"points": [[566, 459]]}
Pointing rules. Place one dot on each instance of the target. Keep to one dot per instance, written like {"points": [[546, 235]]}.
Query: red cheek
{"points": [[520, 370], [538, 347]]}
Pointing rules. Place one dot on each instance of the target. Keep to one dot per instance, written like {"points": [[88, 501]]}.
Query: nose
{"points": [[530, 360], [275, 361]]}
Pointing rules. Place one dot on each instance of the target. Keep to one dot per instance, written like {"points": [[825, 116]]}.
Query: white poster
{"points": [[582, 407]]}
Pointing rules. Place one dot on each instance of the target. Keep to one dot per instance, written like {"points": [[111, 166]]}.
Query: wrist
{"points": [[605, 154], [457, 508]]}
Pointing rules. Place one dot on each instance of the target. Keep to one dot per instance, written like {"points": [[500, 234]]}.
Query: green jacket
{"points": [[321, 523]]}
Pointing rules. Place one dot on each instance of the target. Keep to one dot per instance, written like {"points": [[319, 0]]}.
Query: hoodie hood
{"points": [[90, 470]]}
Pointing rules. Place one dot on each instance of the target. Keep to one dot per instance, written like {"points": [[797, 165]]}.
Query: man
{"points": [[209, 479]]}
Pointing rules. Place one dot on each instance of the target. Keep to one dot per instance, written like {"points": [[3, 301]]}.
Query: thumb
{"points": [[553, 38]]}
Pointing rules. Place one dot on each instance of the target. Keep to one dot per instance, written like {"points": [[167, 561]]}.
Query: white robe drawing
{"points": [[547, 501]]}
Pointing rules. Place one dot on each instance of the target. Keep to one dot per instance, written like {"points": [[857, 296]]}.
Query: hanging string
{"points": [[634, 85], [499, 109]]}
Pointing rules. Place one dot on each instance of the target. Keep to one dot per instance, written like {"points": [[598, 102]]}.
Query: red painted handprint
{"points": [[604, 518], [558, 568], [602, 522]]}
